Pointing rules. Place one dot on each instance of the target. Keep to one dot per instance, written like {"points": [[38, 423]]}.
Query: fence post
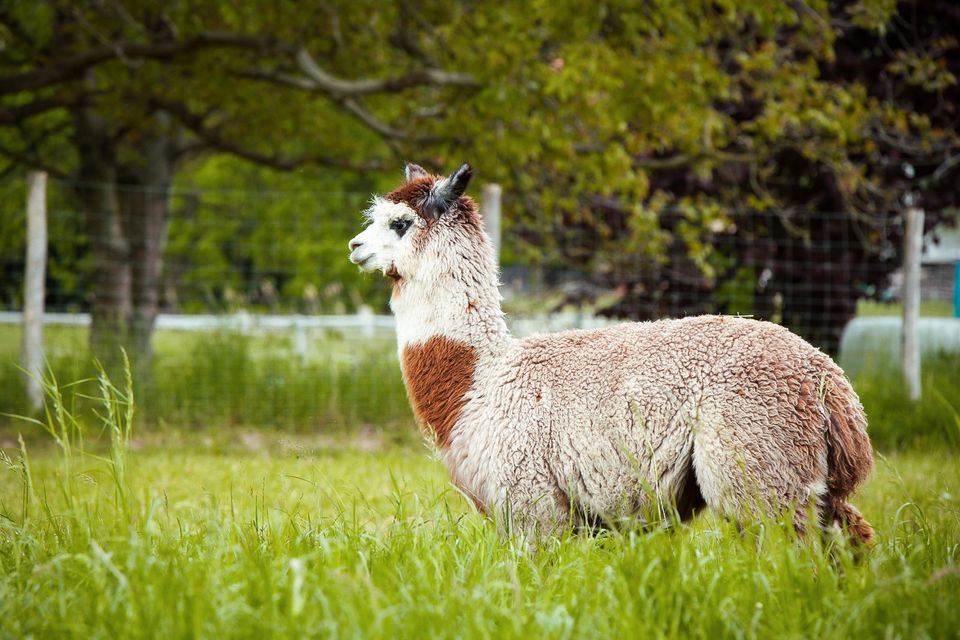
{"points": [[956, 290], [909, 344], [31, 354], [490, 210]]}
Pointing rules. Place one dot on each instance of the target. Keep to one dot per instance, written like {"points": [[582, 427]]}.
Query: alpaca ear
{"points": [[414, 171], [447, 191], [457, 183]]}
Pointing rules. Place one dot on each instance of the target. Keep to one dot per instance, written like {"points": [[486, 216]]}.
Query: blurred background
{"points": [[207, 162]]}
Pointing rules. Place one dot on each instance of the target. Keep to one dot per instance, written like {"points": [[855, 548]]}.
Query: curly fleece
{"points": [[732, 414]]}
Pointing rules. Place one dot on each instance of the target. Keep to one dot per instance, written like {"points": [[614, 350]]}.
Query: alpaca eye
{"points": [[400, 225]]}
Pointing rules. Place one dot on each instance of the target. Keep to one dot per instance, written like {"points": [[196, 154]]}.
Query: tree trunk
{"points": [[147, 215], [110, 304], [127, 211]]}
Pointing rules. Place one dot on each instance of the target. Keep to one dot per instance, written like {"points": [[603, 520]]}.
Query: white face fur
{"points": [[386, 244], [393, 241]]}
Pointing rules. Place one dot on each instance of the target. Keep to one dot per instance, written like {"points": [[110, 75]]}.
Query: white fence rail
{"points": [[365, 322], [246, 322]]}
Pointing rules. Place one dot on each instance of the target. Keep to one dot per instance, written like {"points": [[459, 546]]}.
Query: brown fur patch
{"points": [[469, 214], [438, 374], [849, 455], [846, 515], [413, 194]]}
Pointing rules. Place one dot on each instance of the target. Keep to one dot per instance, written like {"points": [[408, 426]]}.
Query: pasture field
{"points": [[266, 534], [928, 308], [204, 381]]}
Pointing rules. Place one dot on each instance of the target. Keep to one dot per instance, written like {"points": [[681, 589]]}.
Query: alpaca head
{"points": [[420, 228]]}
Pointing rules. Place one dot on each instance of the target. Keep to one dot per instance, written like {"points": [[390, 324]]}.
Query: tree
{"points": [[115, 97], [637, 131]]}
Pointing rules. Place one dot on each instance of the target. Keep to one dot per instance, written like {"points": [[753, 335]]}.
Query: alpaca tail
{"points": [[846, 515], [849, 455]]}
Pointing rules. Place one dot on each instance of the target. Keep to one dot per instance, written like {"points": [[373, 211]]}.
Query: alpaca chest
{"points": [[438, 374]]}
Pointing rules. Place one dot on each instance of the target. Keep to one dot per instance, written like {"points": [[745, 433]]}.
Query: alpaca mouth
{"points": [[361, 261]]}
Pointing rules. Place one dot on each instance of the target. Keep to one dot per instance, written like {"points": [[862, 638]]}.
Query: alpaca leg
{"points": [[809, 512], [746, 470], [537, 515]]}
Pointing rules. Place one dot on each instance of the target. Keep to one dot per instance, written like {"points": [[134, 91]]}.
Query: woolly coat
{"points": [[736, 415], [719, 411]]}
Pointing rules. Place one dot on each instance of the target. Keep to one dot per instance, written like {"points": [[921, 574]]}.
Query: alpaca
{"points": [[735, 415]]}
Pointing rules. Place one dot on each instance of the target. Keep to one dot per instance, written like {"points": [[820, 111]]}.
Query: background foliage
{"points": [[682, 155]]}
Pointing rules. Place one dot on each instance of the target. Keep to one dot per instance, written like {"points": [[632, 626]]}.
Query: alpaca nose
{"points": [[355, 244]]}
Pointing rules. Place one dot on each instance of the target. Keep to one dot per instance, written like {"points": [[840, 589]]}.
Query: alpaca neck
{"points": [[446, 327], [449, 323], [462, 307], [453, 292]]}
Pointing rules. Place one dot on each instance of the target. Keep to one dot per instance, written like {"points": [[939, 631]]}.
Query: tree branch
{"points": [[19, 113], [31, 160], [946, 166], [332, 84], [213, 139], [341, 91], [379, 126], [278, 78], [316, 79], [68, 69], [72, 68]]}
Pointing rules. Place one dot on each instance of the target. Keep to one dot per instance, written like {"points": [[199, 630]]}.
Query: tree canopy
{"points": [[618, 129], [116, 97], [717, 106]]}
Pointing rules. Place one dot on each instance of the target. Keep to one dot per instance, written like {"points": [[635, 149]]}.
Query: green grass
{"points": [[897, 423], [189, 536], [928, 308], [209, 381]]}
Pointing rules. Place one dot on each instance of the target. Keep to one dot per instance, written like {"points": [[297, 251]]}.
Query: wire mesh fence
{"points": [[222, 250], [805, 270], [251, 274]]}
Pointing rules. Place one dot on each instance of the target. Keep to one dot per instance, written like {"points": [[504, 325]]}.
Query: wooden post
{"points": [[31, 354], [490, 210], [909, 344]]}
